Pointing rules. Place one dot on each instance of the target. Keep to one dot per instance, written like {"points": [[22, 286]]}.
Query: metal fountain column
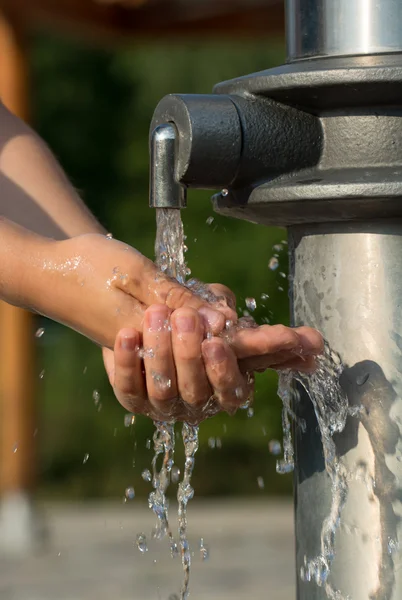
{"points": [[316, 146]]}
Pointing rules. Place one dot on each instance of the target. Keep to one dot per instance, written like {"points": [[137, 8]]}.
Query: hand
{"points": [[204, 373], [98, 286]]}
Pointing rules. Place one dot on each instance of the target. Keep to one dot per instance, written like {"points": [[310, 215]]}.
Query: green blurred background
{"points": [[93, 107]]}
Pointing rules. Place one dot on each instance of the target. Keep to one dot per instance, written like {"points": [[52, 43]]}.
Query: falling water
{"points": [[169, 251], [332, 409], [330, 405]]}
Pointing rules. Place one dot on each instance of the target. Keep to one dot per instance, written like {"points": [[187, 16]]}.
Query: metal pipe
{"points": [[342, 27], [164, 189], [347, 282]]}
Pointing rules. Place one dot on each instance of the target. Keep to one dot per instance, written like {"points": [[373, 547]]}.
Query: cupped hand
{"points": [[179, 374]]}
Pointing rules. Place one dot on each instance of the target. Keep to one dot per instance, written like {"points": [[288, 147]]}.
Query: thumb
{"points": [[154, 287]]}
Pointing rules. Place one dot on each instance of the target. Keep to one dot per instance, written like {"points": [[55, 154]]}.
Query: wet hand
{"points": [[98, 286], [184, 376]]}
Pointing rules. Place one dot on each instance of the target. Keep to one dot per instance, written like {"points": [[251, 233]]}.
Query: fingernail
{"points": [[214, 319], [216, 353], [185, 324], [128, 342], [155, 320]]}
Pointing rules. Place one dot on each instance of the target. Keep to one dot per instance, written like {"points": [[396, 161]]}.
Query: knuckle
{"points": [[177, 296]]}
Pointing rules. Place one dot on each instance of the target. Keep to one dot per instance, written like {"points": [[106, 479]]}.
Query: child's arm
{"points": [[34, 191]]}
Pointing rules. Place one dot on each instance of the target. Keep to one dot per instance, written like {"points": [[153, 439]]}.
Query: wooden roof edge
{"points": [[113, 23]]}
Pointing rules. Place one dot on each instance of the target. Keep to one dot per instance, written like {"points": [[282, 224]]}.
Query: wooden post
{"points": [[17, 343]]}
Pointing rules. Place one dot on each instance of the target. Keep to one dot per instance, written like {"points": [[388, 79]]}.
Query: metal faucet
{"points": [[164, 189]]}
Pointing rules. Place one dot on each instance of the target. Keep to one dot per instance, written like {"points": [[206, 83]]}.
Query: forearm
{"points": [[22, 257], [34, 191]]}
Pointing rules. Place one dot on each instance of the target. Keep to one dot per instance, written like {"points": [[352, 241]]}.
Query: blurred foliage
{"points": [[93, 107]]}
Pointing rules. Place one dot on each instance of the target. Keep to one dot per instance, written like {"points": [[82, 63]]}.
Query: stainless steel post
{"points": [[347, 282], [342, 27]]}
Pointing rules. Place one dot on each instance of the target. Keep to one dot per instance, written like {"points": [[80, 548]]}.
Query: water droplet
{"points": [[175, 473], [275, 447], [161, 381], [393, 546], [209, 335], [129, 493], [148, 444], [273, 263], [283, 467], [277, 248], [210, 220], [42, 374], [96, 397], [146, 353], [250, 412], [224, 192], [264, 297], [129, 420], [280, 288], [141, 542], [85, 370], [260, 482], [361, 379], [282, 274], [109, 236], [15, 447], [251, 304], [211, 442], [146, 475], [40, 332], [86, 457], [218, 442], [204, 551]]}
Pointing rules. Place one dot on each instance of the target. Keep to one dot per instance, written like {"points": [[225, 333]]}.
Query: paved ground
{"points": [[92, 555]]}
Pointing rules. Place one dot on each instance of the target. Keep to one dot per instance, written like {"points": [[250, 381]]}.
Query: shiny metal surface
{"points": [[342, 27], [164, 189], [347, 282]]}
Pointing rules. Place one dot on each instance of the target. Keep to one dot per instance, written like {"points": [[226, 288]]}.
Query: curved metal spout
{"points": [[164, 189]]}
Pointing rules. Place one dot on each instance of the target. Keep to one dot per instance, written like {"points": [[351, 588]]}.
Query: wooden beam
{"points": [[116, 22], [17, 341]]}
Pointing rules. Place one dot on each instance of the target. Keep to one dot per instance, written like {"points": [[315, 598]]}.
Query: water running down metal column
{"points": [[316, 146], [347, 282]]}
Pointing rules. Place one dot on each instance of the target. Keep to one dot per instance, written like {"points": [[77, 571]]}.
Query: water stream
{"points": [[330, 405]]}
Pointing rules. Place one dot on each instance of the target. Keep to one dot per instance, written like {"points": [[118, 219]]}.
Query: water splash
{"points": [[185, 493], [332, 409], [164, 441]]}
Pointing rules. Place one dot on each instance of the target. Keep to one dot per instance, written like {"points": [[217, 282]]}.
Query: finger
{"points": [[108, 361], [223, 292], [158, 358], [187, 337], [265, 340], [311, 339], [128, 379], [153, 287], [229, 385]]}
